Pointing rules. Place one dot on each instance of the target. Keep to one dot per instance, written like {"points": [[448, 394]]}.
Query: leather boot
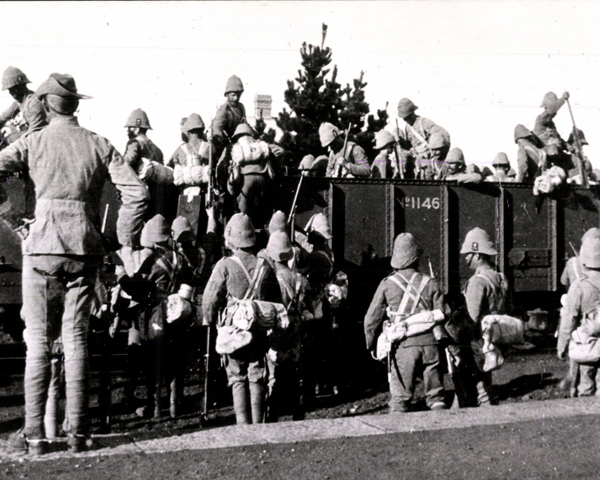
{"points": [[257, 400], [240, 403]]}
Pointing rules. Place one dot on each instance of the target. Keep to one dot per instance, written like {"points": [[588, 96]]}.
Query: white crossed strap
{"points": [[410, 293]]}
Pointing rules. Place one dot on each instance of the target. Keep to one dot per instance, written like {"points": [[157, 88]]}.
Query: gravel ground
{"points": [[526, 376]]}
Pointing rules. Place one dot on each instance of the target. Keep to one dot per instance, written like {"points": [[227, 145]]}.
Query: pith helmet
{"points": [[383, 138], [307, 162], [239, 231], [501, 160], [550, 99], [437, 140], [182, 230], [155, 231], [406, 107], [328, 133], [60, 84], [590, 253], [234, 84], [193, 122], [593, 232], [581, 137], [478, 241], [455, 156], [278, 222], [406, 251], [521, 131], [138, 118], [320, 164], [243, 129], [279, 247], [318, 223], [12, 77]]}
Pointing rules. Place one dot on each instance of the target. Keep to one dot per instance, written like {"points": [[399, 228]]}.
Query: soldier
{"points": [[531, 159], [457, 170], [582, 298], [250, 177], [352, 161], [26, 113], [572, 146], [545, 129], [438, 146], [69, 166], [503, 172], [486, 293], [139, 147], [229, 115], [195, 150], [246, 369], [405, 291], [418, 132], [160, 274], [283, 358], [573, 269], [383, 165]]}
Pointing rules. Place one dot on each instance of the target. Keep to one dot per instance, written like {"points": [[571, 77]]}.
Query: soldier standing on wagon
{"points": [[26, 113], [69, 166], [229, 115], [419, 131], [407, 291], [139, 147]]}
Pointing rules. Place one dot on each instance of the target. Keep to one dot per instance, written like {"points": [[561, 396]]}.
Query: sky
{"points": [[477, 68]]}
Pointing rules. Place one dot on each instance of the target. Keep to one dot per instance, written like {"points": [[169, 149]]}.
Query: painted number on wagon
{"points": [[418, 202]]}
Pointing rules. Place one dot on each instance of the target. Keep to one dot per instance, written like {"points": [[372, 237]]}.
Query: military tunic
{"points": [[227, 120], [69, 166], [583, 296], [486, 293], [142, 147], [417, 355], [28, 115], [357, 163]]}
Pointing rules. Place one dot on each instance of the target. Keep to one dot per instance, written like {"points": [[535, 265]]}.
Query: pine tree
{"points": [[316, 97]]}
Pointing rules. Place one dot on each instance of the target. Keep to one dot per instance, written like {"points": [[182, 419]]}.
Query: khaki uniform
{"points": [[69, 166], [583, 296], [418, 135], [142, 147], [226, 121], [357, 163], [486, 293], [416, 356], [246, 368], [29, 115]]}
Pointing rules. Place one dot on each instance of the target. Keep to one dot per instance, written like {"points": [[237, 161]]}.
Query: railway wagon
{"points": [[534, 235]]}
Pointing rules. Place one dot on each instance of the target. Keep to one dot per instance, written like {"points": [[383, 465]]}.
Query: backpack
{"points": [[249, 314]]}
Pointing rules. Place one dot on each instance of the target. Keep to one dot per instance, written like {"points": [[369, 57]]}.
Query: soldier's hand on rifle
{"points": [[566, 96]]}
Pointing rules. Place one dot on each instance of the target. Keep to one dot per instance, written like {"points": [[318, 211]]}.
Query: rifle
{"points": [[205, 398], [579, 151], [292, 215], [338, 167], [211, 165], [399, 166]]}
